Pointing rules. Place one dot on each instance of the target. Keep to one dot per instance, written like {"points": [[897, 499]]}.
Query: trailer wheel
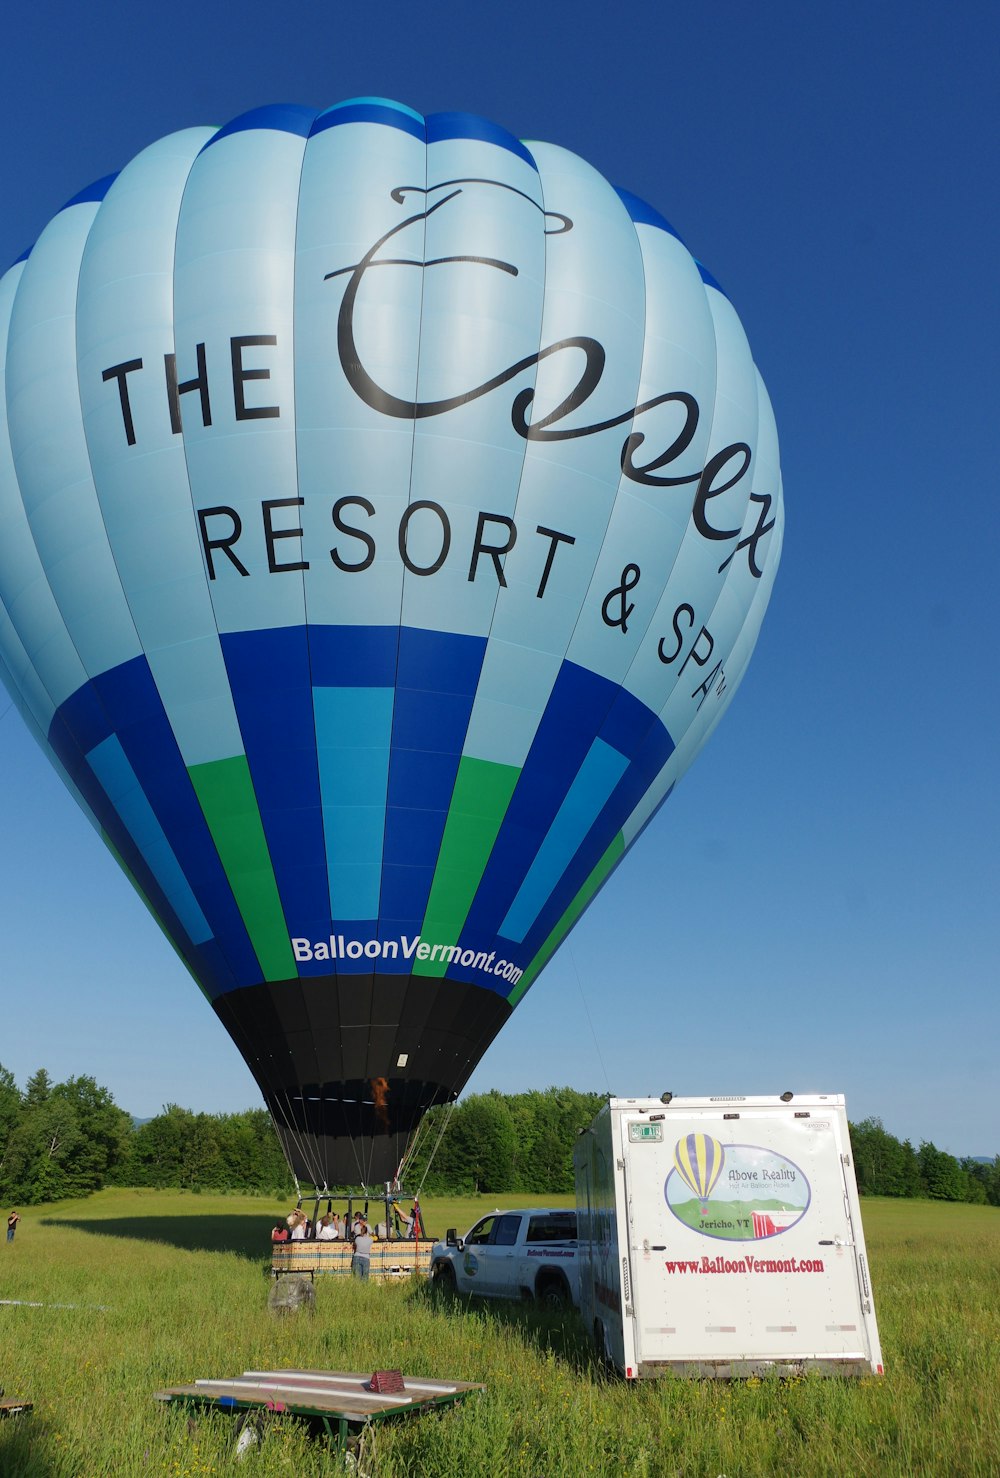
{"points": [[249, 1433], [553, 1294]]}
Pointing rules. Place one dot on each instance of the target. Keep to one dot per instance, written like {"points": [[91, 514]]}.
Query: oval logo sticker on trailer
{"points": [[736, 1192]]}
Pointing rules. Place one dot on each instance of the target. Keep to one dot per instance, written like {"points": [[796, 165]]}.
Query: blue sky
{"points": [[817, 906]]}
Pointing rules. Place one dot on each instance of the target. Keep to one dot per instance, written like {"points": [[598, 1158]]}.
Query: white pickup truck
{"points": [[513, 1254]]}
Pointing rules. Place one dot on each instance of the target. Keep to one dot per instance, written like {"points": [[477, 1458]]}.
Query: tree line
{"points": [[62, 1140], [887, 1166]]}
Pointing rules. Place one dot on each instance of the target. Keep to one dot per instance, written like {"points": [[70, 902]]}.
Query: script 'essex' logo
{"points": [[720, 473]]}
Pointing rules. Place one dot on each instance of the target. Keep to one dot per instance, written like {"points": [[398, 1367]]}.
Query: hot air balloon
{"points": [[698, 1160], [388, 510]]}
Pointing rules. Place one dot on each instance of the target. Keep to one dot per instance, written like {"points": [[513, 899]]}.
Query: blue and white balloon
{"points": [[388, 510]]}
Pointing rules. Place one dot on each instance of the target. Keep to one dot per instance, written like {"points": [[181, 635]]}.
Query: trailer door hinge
{"points": [[629, 1311], [620, 1164]]}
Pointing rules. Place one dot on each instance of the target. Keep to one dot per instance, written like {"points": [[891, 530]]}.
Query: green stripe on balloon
{"points": [[478, 805], [601, 870], [226, 795]]}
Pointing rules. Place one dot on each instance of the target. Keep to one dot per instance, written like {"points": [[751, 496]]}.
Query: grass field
{"points": [[158, 1288]]}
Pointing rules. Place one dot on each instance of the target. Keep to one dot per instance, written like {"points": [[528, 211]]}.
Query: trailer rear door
{"points": [[743, 1239]]}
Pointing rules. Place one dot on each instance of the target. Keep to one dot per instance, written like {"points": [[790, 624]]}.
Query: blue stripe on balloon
{"points": [[583, 707], [134, 711], [442, 126], [82, 723], [711, 1158], [379, 102], [429, 679], [281, 117], [585, 800], [121, 785], [64, 743], [644, 214], [353, 732], [439, 661], [270, 678], [435, 687], [559, 748], [634, 730], [353, 656], [371, 110], [708, 279], [94, 192]]}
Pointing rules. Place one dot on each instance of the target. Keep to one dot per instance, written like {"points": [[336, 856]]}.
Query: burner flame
{"points": [[380, 1095]]}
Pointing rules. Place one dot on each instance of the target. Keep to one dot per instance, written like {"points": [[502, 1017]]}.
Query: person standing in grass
{"points": [[362, 1258], [12, 1222]]}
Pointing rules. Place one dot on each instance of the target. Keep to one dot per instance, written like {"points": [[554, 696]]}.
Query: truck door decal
{"points": [[736, 1192]]}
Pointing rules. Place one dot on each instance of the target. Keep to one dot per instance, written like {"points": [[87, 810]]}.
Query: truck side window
{"points": [[552, 1228], [507, 1229], [480, 1234]]}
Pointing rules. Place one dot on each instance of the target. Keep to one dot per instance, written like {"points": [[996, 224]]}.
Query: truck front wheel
{"points": [[444, 1279]]}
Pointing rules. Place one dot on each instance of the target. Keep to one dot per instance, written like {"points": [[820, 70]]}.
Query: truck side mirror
{"points": [[451, 1237]]}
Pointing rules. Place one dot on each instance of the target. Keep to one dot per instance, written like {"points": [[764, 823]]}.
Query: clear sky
{"points": [[817, 906]]}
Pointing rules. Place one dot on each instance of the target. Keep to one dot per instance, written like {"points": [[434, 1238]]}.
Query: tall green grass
{"points": [[168, 1287]]}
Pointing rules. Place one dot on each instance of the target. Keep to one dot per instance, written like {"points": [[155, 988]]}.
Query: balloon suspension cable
{"points": [[408, 1154], [446, 1118], [586, 1012], [291, 1130], [357, 1158]]}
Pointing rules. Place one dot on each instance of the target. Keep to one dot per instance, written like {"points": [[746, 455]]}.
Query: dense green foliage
{"points": [[497, 1142], [59, 1140], [205, 1151], [886, 1166]]}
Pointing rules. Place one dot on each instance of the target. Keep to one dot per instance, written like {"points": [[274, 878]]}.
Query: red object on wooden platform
{"points": [[386, 1382]]}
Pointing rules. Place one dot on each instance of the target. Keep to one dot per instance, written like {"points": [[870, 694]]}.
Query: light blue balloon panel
{"points": [[388, 510]]}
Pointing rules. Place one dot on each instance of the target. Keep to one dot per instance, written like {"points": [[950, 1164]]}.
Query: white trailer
{"points": [[722, 1237]]}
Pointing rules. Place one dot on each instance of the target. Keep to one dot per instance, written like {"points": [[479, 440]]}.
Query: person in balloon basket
{"points": [[362, 1256], [280, 1232], [12, 1222]]}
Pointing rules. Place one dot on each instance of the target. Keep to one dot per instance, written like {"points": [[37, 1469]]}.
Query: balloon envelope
{"points": [[388, 509], [698, 1160]]}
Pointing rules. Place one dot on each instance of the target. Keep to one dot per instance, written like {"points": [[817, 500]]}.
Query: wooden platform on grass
{"points": [[389, 1261], [338, 1399], [9, 1407]]}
